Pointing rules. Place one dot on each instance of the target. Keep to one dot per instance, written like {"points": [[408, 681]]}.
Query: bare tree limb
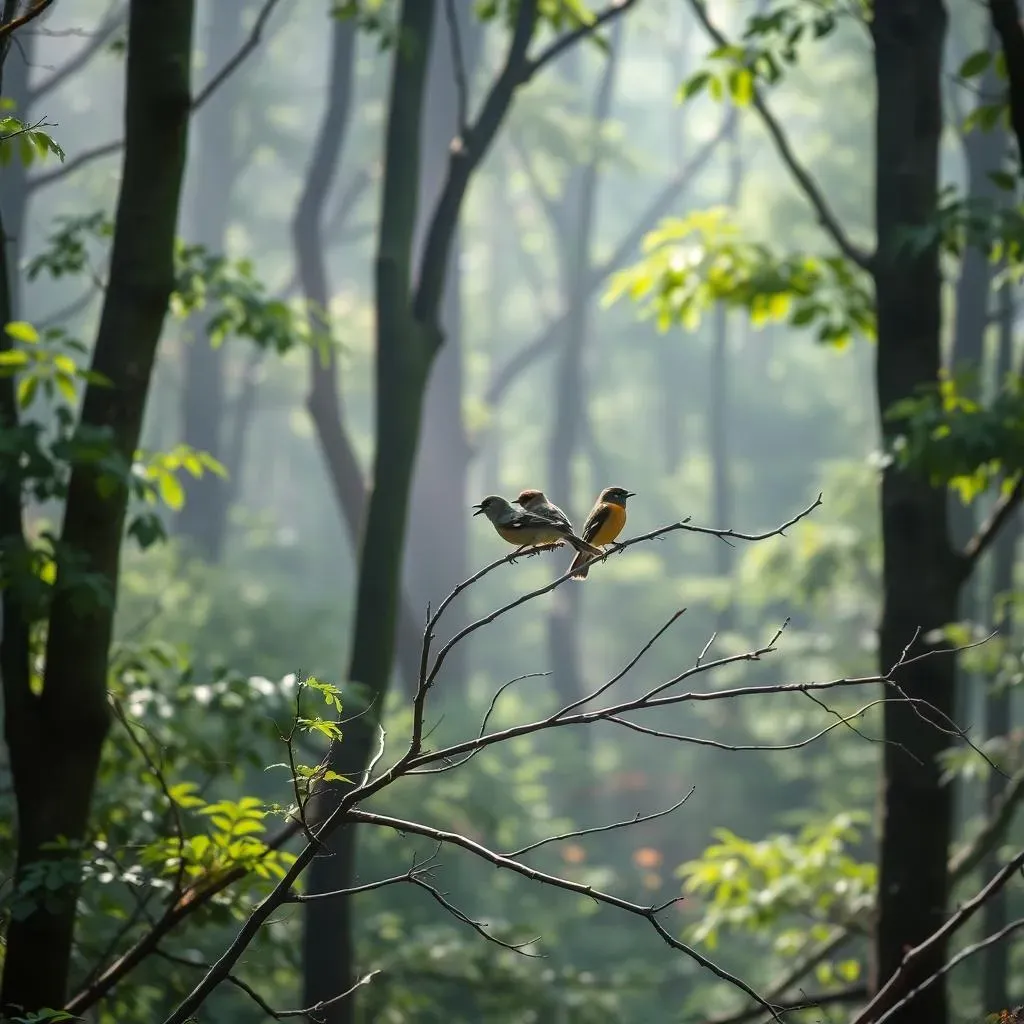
{"points": [[506, 375], [310, 1012], [116, 145], [811, 190], [648, 913], [9, 27], [968, 951], [988, 531], [611, 827], [458, 66], [883, 999], [853, 994], [114, 19], [965, 860]]}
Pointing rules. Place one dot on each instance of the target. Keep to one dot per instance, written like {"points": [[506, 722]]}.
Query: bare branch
{"points": [[853, 994], [968, 951], [1003, 509], [964, 913], [161, 780], [309, 1012], [649, 913], [234, 62], [477, 926], [812, 192], [965, 860], [97, 40], [795, 745], [9, 27], [115, 146], [506, 375], [637, 819], [562, 43], [458, 65]]}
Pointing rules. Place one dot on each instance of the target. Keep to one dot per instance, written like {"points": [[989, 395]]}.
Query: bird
{"points": [[526, 529], [602, 525], [536, 501]]}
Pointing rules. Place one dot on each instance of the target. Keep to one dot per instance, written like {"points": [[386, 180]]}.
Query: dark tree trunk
{"points": [[55, 738], [14, 74], [921, 572], [215, 169], [324, 400]]}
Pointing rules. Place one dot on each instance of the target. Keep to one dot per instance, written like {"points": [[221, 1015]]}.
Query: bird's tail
{"points": [[585, 553]]}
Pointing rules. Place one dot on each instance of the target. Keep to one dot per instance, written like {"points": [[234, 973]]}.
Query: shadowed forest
{"points": [[306, 716]]}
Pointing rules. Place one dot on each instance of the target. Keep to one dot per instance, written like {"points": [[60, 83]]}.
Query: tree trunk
{"points": [[998, 716], [55, 737], [203, 520], [921, 572], [574, 229], [718, 403], [14, 74], [403, 357], [438, 551], [324, 400]]}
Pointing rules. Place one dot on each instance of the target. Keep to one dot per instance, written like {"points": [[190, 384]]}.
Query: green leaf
{"points": [[975, 64], [14, 358], [171, 492], [27, 388], [1004, 180], [694, 85], [21, 330]]}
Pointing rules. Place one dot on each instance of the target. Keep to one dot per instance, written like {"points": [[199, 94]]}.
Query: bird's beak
{"points": [[479, 509], [630, 494]]}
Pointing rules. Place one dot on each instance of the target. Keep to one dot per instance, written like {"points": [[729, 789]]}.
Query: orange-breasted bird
{"points": [[526, 529], [602, 525]]}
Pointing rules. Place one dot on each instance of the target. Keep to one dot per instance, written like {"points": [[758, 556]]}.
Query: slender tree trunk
{"points": [[984, 152], [998, 717], [437, 556], [324, 401], [215, 169], [14, 75], [55, 737], [574, 228], [718, 400], [921, 572]]}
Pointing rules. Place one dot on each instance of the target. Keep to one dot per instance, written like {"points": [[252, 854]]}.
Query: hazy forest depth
{"points": [[306, 716]]}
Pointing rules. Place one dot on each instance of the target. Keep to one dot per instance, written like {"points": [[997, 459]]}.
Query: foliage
{"points": [[27, 139], [958, 440], [693, 263]]}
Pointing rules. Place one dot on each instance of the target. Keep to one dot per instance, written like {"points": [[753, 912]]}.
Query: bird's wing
{"points": [[595, 521], [530, 519]]}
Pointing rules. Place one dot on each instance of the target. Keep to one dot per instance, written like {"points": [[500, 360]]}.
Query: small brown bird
{"points": [[535, 501], [602, 526], [527, 529]]}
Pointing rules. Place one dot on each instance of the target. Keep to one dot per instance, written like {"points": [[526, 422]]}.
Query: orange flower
{"points": [[574, 854], [646, 857]]}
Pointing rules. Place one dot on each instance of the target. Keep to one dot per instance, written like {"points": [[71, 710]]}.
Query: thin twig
{"points": [[458, 66], [968, 951], [637, 819], [813, 193], [8, 28], [648, 913], [953, 923], [1003, 509], [204, 94]]}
